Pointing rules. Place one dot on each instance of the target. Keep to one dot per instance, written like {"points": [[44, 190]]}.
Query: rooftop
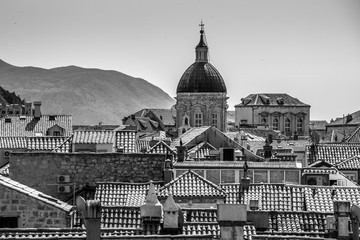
{"points": [[271, 99]]}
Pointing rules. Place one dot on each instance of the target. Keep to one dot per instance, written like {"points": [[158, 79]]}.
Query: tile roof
{"points": [[91, 137], [161, 147], [13, 142], [234, 164], [352, 163], [354, 136], [122, 194], [297, 223], [126, 140], [167, 116], [60, 233], [49, 143], [191, 184], [318, 124], [271, 99], [331, 153], [188, 136], [353, 120], [31, 126], [121, 217], [16, 186], [201, 221], [200, 151], [284, 197], [4, 170], [45, 143], [143, 124]]}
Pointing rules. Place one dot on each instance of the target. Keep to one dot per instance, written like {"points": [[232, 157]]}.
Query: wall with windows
{"points": [[201, 109], [217, 176], [287, 119]]}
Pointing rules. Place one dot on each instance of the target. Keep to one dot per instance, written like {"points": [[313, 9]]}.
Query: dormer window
{"points": [[280, 100]]}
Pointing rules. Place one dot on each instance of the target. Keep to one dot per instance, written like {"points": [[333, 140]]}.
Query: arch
{"points": [[287, 125], [276, 123]]}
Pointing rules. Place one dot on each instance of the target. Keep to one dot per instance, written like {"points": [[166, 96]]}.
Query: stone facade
{"points": [[211, 107], [41, 170], [30, 212], [288, 118]]}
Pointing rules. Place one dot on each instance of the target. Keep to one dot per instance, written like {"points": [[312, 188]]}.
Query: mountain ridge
{"points": [[90, 95]]}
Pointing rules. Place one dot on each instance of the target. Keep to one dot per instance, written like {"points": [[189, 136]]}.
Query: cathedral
{"points": [[201, 93]]}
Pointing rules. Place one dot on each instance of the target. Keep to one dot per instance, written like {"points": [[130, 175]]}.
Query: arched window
{"points": [[186, 121], [299, 125], [276, 124], [287, 125]]}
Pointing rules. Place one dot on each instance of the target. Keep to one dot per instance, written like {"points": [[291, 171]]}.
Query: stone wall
{"points": [[31, 213], [41, 170]]}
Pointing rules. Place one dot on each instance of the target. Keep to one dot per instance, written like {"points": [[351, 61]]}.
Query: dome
{"points": [[201, 77]]}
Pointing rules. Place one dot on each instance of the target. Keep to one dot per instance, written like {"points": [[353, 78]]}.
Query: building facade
{"points": [[201, 93], [279, 112]]}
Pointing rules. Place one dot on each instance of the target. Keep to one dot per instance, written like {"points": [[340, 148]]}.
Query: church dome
{"points": [[201, 76]]}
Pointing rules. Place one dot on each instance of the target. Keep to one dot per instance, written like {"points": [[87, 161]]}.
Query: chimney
{"points": [[267, 149], [168, 171], [90, 210], [173, 217], [151, 212], [37, 110], [231, 218], [342, 214], [181, 152], [296, 136]]}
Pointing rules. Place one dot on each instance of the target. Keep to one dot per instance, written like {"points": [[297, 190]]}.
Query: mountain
{"points": [[89, 95]]}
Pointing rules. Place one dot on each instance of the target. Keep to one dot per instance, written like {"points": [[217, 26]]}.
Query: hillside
{"points": [[89, 95]]}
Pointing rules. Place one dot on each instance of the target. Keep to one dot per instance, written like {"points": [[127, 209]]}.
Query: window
{"points": [[263, 121], [260, 176], [215, 120], [56, 133], [299, 125], [292, 177], [227, 176], [287, 125], [276, 176], [198, 119], [213, 176], [186, 121], [8, 222], [276, 124]]}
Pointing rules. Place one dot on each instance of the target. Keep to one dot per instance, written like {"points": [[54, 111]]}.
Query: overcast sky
{"points": [[309, 49]]}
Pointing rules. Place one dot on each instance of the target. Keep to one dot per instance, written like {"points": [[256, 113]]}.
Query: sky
{"points": [[309, 49]]}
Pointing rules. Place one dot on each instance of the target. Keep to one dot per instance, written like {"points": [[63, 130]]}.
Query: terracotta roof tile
{"points": [[30, 126], [234, 164], [352, 163], [190, 184], [189, 135], [4, 170], [331, 153], [60, 233], [353, 137], [121, 217], [49, 143], [13, 142], [91, 137], [122, 194], [200, 151], [16, 186], [297, 223], [161, 147], [126, 140]]}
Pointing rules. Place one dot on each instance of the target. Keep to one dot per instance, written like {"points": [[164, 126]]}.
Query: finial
{"points": [[201, 27]]}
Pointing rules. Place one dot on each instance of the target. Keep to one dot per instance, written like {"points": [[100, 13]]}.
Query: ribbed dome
{"points": [[201, 77]]}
